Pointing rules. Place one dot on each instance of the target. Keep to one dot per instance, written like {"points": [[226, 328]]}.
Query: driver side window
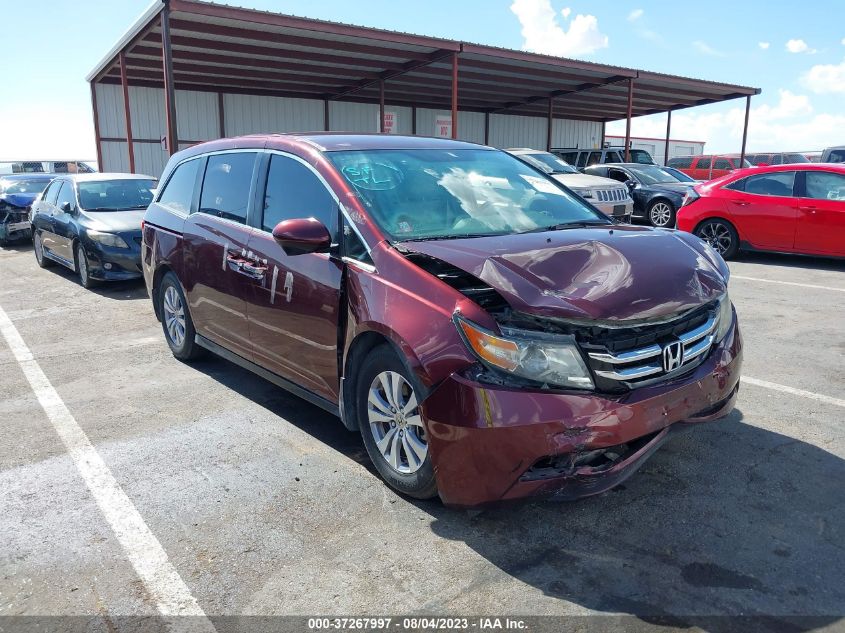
{"points": [[618, 174], [294, 191], [66, 194]]}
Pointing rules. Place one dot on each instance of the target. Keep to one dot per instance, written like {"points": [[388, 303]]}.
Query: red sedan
{"points": [[796, 208]]}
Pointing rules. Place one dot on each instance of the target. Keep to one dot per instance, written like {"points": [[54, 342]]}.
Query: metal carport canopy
{"points": [[226, 49]]}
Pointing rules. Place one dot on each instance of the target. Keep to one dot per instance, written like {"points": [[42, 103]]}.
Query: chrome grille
{"points": [[646, 363], [611, 195]]}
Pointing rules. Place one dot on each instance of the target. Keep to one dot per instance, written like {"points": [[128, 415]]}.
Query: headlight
{"points": [[555, 362], [584, 193], [725, 317], [108, 239]]}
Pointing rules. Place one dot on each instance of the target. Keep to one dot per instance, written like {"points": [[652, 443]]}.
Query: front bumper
{"points": [[107, 263], [14, 226], [491, 443], [619, 210]]}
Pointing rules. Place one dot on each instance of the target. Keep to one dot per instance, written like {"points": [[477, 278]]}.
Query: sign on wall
{"points": [[443, 126], [391, 122]]}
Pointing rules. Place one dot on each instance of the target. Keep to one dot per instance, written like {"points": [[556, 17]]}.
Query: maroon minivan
{"points": [[490, 333]]}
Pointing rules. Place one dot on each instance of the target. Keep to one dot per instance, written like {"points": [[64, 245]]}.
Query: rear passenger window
{"points": [[721, 163], [824, 185], [226, 186], [774, 184], [179, 190], [582, 159], [613, 157], [704, 162], [595, 159], [680, 163], [777, 159], [294, 191]]}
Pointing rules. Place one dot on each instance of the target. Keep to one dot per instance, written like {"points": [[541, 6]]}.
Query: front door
{"points": [[63, 233], [821, 214], [217, 281], [294, 305], [765, 209]]}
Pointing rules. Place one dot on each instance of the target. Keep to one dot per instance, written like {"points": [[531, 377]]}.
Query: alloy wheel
{"points": [[660, 214], [39, 247], [394, 417], [82, 263], [717, 235], [174, 316]]}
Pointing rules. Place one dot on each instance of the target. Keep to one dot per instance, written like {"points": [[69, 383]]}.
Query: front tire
{"points": [[721, 235], [661, 213], [394, 433], [84, 269], [176, 320]]}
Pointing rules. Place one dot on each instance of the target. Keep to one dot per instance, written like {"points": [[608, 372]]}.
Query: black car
{"points": [[91, 223], [657, 194], [17, 193]]}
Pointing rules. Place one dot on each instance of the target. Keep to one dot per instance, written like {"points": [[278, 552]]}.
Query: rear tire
{"points": [[38, 248], [394, 433], [721, 235], [176, 320], [83, 269]]}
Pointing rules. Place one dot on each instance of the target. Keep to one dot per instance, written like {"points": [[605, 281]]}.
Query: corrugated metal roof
{"points": [[222, 48]]}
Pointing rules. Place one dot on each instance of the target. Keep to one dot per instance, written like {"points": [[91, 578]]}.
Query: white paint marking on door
{"points": [[273, 284], [161, 580], [793, 391], [787, 283]]}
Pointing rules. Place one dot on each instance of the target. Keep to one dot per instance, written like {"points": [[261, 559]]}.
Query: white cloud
{"points": [[763, 45], [636, 14], [799, 46], [790, 124], [825, 78], [843, 41], [543, 34], [565, 12], [706, 49]]}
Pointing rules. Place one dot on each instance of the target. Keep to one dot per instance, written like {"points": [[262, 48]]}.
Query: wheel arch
{"points": [[159, 274], [722, 218]]}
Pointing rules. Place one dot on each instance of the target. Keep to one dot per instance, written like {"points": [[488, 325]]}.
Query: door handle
{"points": [[251, 270], [811, 209], [740, 203]]}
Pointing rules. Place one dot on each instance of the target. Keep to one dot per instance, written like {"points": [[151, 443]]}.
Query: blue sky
{"points": [[794, 52]]}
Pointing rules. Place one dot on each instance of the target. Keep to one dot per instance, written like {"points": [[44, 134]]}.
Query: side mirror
{"points": [[66, 208], [631, 184], [302, 235]]}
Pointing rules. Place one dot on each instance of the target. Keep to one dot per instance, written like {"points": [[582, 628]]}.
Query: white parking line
{"points": [[787, 283], [161, 580], [795, 392]]}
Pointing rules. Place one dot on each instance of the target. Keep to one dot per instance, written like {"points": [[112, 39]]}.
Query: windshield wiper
{"points": [[565, 225], [456, 236]]}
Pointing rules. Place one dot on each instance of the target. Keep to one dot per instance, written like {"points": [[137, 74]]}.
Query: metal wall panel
{"points": [[517, 131], [363, 117], [196, 115], [110, 110], [470, 124], [581, 134], [249, 114], [147, 108], [115, 157], [150, 158]]}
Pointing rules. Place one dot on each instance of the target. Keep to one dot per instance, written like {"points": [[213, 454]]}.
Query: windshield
{"points": [[641, 156], [549, 163], [442, 194], [116, 195], [651, 174], [678, 175], [34, 185]]}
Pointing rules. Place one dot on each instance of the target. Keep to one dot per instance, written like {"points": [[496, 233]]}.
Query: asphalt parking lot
{"points": [[265, 505]]}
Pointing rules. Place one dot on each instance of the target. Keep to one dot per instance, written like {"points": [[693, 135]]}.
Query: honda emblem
{"points": [[673, 356]]}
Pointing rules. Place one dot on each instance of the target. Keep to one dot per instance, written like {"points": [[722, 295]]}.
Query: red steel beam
{"points": [[169, 88], [668, 130], [550, 119], [124, 82], [97, 138], [628, 120], [221, 115], [745, 130], [390, 74], [455, 95], [381, 106]]}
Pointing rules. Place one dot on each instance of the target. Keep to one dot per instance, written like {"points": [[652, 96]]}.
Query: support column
{"points": [[549, 123], [745, 130], [487, 128], [668, 130], [326, 122], [628, 121], [124, 82], [97, 127], [413, 119], [381, 106], [169, 89], [455, 94], [221, 116]]}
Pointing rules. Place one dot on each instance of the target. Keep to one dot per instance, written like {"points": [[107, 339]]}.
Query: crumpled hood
{"points": [[22, 200], [598, 273], [114, 221], [583, 181]]}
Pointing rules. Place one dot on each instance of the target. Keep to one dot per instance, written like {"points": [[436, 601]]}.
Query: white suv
{"points": [[607, 195]]}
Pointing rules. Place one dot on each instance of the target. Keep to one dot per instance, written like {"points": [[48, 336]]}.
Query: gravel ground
{"points": [[265, 505]]}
